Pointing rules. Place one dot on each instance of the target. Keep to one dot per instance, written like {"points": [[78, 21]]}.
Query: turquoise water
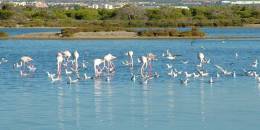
{"points": [[36, 103]]}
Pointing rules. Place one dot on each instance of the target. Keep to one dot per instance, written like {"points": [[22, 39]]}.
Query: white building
{"points": [[41, 5], [95, 6], [108, 6], [182, 7], [241, 2], [18, 3]]}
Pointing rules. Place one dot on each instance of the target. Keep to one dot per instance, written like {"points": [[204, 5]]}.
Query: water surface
{"points": [[35, 103]]}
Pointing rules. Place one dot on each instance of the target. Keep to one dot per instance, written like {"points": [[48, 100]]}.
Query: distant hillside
{"points": [[105, 1], [159, 1]]}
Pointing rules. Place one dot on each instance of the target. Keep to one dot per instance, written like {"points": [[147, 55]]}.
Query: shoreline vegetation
{"points": [[112, 33], [82, 23], [129, 16]]}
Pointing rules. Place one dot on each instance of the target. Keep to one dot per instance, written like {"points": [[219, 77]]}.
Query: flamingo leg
{"points": [[150, 69]]}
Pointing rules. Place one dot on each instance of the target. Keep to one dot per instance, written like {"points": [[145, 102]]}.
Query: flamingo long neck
{"points": [[23, 66], [75, 64], [59, 70], [97, 70], [109, 66], [131, 61]]}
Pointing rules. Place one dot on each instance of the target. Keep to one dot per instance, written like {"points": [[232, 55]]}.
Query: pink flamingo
{"points": [[59, 64]]}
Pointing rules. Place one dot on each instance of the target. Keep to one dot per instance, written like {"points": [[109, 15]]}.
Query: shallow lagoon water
{"points": [[35, 103]]}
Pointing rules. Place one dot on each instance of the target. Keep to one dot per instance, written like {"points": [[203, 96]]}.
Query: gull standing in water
{"points": [[72, 81], [50, 75], [86, 77], [255, 64], [202, 59], [234, 74], [211, 80], [225, 72], [133, 77], [169, 55], [236, 55], [169, 66], [187, 75], [184, 81], [3, 60], [258, 79]]}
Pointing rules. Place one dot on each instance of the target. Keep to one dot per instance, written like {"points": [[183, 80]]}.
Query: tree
{"points": [[131, 12], [5, 14], [106, 14]]}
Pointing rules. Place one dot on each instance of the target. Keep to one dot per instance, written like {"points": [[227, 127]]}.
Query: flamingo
{"points": [[144, 62], [150, 57], [59, 59], [130, 60], [76, 57], [24, 60], [97, 68], [110, 66], [67, 55]]}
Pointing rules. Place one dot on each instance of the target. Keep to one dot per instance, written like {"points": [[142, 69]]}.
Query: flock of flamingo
{"points": [[104, 68]]}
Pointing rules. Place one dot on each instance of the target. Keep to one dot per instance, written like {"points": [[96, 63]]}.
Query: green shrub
{"points": [[3, 35]]}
